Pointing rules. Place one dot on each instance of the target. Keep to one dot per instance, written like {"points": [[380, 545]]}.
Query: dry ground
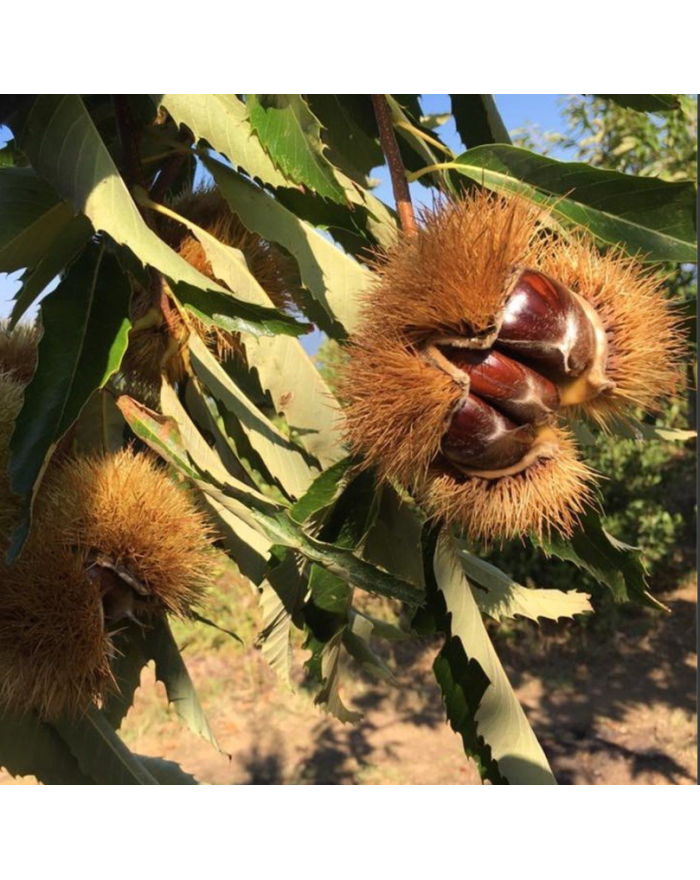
{"points": [[616, 709]]}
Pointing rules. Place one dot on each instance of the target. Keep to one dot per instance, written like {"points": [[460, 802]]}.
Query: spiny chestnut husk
{"points": [[150, 349], [18, 350], [113, 539], [479, 332]]}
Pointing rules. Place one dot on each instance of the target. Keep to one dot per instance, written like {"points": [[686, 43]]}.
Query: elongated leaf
{"points": [[285, 369], [612, 563], [29, 747], [334, 279], [281, 597], [261, 513], [478, 120], [171, 670], [100, 752], [60, 252], [646, 216], [299, 393], [130, 658], [33, 219], [100, 427], [223, 122], [480, 702], [350, 147], [163, 436], [394, 539], [282, 459], [502, 597], [166, 772], [86, 333], [66, 149], [291, 134], [329, 696], [645, 103], [322, 492]]}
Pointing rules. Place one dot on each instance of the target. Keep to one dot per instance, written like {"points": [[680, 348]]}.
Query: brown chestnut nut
{"points": [[543, 322], [481, 438], [518, 391]]}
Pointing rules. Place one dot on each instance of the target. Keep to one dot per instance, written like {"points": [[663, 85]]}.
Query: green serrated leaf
{"points": [[612, 563], [478, 120], [647, 216], [394, 540], [501, 597], [30, 747], [86, 328], [281, 597], [291, 135], [130, 658], [334, 279], [171, 670], [100, 752], [33, 219], [324, 490], [166, 772], [480, 702], [328, 698], [281, 457], [66, 149], [223, 122]]}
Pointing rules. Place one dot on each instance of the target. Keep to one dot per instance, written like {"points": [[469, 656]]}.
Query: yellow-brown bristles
{"points": [[548, 496], [398, 406], [54, 651], [645, 345], [453, 276], [18, 350], [125, 509]]}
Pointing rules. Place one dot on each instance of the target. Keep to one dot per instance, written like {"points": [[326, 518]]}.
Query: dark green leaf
{"points": [[130, 658], [478, 120], [166, 772], [100, 752], [349, 145], [322, 492], [646, 216], [66, 149], [33, 219], [645, 103], [171, 670], [479, 699], [29, 747], [291, 134], [86, 333], [612, 563], [334, 279], [223, 122]]}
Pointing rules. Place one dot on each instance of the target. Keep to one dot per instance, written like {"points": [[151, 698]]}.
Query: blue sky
{"points": [[516, 111]]}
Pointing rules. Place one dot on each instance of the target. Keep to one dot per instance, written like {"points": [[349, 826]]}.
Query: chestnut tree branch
{"points": [[390, 147]]}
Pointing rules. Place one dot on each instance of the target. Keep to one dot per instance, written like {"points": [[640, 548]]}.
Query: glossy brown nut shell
{"points": [[479, 437], [544, 323], [518, 391]]}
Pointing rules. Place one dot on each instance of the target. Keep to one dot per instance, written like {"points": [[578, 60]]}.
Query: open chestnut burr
{"points": [[482, 331]]}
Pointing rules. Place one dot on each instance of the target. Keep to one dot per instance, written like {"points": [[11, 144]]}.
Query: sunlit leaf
{"points": [[291, 134], [334, 279], [501, 597], [647, 216], [223, 122], [480, 702]]}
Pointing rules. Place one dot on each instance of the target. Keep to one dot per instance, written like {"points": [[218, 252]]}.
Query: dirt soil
{"points": [[613, 710]]}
